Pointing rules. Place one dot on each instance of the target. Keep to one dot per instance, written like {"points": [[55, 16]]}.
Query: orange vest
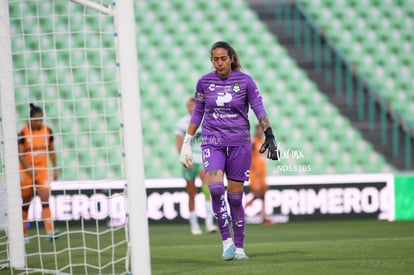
{"points": [[35, 145]]}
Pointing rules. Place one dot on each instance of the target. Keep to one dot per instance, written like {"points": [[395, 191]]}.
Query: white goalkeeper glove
{"points": [[186, 155]]}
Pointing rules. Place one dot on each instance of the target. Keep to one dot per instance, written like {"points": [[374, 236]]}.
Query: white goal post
{"points": [[131, 103], [14, 113], [9, 144]]}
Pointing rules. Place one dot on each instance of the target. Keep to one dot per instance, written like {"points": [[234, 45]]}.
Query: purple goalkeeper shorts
{"points": [[234, 161]]}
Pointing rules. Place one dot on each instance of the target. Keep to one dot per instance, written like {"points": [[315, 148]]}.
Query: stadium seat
{"points": [[175, 36], [388, 23]]}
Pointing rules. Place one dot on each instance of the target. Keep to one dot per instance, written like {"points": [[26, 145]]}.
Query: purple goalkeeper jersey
{"points": [[223, 105]]}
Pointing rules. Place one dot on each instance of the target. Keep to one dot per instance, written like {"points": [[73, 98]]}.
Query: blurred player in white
{"points": [[191, 173]]}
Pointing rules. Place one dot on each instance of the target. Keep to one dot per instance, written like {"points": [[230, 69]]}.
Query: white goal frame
{"points": [[9, 129], [126, 52]]}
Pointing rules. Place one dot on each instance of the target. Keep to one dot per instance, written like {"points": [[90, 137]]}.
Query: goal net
{"points": [[64, 59]]}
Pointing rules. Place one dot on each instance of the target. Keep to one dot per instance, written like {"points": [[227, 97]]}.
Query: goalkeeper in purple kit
{"points": [[222, 101]]}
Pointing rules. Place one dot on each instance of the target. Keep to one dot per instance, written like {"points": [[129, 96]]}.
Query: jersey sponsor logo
{"points": [[212, 140], [200, 96], [239, 223], [217, 115], [223, 97], [228, 115]]}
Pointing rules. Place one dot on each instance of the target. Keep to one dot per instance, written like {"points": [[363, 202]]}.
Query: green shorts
{"points": [[192, 174]]}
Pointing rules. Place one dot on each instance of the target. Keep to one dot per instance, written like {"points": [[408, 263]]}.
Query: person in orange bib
{"points": [[35, 146], [257, 181]]}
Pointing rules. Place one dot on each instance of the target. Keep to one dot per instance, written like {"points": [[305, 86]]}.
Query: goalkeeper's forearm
{"points": [[192, 129], [264, 122]]}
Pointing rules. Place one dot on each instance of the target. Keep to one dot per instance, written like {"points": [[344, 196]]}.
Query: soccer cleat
{"points": [[241, 256], [211, 228], [54, 235], [196, 230], [228, 249]]}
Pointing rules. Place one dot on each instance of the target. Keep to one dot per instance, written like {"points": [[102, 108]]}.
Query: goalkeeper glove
{"points": [[270, 144], [186, 155]]}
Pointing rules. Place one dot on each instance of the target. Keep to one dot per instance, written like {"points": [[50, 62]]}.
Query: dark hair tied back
{"points": [[35, 110], [236, 64]]}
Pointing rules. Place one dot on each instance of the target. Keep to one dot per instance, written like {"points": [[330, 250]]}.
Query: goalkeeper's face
{"points": [[36, 121], [221, 62]]}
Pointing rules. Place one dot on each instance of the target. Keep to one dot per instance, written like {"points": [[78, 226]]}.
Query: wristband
{"points": [[188, 138]]}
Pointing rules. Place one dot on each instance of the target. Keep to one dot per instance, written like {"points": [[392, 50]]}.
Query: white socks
{"points": [[227, 243], [193, 219]]}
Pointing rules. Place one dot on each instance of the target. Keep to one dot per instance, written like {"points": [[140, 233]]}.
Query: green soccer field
{"points": [[343, 247], [351, 247]]}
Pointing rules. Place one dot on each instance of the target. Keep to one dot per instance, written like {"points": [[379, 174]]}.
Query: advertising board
{"points": [[289, 199]]}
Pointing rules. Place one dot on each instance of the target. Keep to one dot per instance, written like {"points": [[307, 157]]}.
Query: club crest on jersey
{"points": [[236, 87]]}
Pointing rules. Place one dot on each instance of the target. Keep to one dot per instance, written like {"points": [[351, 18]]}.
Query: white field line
{"points": [[218, 244]]}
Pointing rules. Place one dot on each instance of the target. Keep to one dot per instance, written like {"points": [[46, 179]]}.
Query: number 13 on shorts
{"points": [[206, 155]]}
